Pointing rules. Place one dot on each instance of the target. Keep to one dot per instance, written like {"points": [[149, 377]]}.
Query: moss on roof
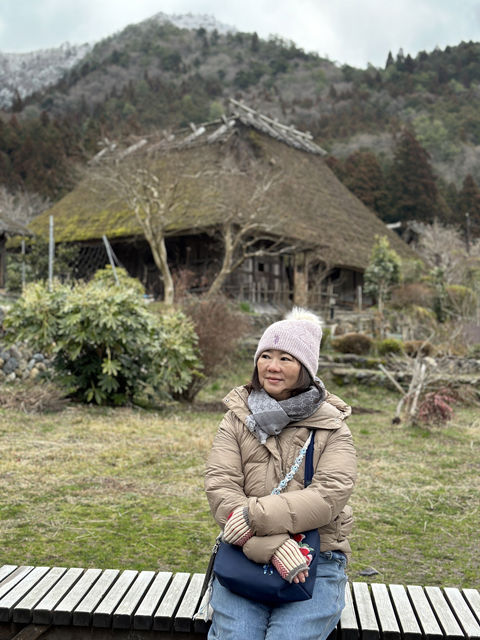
{"points": [[313, 205]]}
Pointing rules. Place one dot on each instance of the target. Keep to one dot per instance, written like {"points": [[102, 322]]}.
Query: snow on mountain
{"points": [[193, 21], [29, 72]]}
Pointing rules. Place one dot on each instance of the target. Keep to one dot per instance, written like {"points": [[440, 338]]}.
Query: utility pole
{"points": [[467, 232]]}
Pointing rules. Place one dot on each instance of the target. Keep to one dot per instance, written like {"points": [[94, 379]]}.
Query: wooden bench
{"points": [[68, 604]]}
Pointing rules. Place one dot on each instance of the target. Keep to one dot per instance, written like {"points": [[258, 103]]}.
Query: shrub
{"points": [[389, 345], [460, 301], [357, 343], [415, 347], [412, 294], [326, 338], [474, 351], [33, 397], [435, 407], [219, 326], [107, 346]]}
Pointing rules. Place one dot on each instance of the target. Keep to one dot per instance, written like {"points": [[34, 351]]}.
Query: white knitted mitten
{"points": [[288, 560], [237, 530]]}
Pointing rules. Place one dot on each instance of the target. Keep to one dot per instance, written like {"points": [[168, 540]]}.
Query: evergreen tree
{"points": [[389, 60], [364, 178], [255, 46], [412, 182], [469, 202]]}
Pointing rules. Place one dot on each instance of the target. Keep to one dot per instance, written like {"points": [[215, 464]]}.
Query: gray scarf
{"points": [[269, 417]]}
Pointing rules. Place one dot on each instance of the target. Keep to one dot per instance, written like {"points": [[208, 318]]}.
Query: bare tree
{"points": [[443, 246], [249, 228], [22, 206], [156, 190]]}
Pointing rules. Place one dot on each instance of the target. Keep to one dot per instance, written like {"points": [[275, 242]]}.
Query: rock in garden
{"points": [[41, 366], [5, 355], [15, 352], [31, 364], [34, 373], [10, 366], [39, 357], [25, 374], [2, 376], [2, 362], [11, 377]]}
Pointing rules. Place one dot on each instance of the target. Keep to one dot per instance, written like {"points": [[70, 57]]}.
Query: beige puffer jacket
{"points": [[243, 472]]}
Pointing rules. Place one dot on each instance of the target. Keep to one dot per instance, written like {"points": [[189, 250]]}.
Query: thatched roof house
{"points": [[310, 208]]}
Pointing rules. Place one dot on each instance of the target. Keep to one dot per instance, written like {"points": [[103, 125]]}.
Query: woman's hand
{"points": [[290, 562], [301, 577]]}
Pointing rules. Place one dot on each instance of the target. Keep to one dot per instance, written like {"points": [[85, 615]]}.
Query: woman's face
{"points": [[278, 372]]}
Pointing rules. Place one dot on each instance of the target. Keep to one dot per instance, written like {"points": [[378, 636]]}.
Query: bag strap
{"points": [[296, 465], [309, 462]]}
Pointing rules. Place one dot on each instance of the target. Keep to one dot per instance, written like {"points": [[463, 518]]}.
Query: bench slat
{"points": [[473, 598], [62, 614], [445, 616], [19, 591], [465, 617], [186, 611], [405, 614], [366, 613], [102, 616], [163, 618], [426, 617], [348, 619], [83, 613], [22, 612], [385, 613], [14, 578], [143, 617], [123, 614], [43, 611], [6, 570]]}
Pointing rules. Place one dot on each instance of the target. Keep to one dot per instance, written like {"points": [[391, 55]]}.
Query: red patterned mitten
{"points": [[304, 548], [289, 560], [237, 530]]}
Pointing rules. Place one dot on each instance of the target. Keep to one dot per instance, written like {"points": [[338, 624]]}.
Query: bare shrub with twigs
{"points": [[435, 407], [33, 397]]}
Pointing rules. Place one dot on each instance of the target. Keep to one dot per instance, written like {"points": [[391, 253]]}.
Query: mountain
{"points": [[24, 73], [162, 74]]}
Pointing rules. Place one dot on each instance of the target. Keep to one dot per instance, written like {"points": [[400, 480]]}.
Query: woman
{"points": [[268, 423]]}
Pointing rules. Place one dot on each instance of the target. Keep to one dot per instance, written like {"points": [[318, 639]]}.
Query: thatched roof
{"points": [[314, 208], [12, 228]]}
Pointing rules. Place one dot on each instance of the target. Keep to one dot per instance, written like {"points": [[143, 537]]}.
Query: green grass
{"points": [[123, 488]]}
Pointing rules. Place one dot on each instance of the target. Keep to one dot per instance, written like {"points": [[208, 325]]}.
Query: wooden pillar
{"points": [[3, 262], [300, 280]]}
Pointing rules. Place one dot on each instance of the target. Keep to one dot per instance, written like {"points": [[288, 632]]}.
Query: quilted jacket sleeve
{"points": [[301, 510], [224, 479]]}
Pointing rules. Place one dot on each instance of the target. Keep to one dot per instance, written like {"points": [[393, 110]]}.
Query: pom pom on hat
{"points": [[300, 335]]}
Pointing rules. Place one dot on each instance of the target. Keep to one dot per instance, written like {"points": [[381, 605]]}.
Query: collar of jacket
{"points": [[328, 416]]}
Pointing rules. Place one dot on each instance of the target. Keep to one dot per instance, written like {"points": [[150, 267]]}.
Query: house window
{"points": [[261, 266]]}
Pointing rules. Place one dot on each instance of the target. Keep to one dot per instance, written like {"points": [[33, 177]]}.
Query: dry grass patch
{"points": [[123, 488]]}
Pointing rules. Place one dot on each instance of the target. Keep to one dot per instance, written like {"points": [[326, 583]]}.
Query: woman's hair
{"points": [[303, 383]]}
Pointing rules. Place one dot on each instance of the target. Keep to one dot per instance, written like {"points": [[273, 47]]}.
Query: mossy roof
{"points": [[314, 207]]}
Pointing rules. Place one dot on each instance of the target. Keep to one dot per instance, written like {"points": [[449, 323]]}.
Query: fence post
{"points": [[51, 254], [23, 265], [110, 257]]}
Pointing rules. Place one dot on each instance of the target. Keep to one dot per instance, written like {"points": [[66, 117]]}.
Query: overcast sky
{"points": [[352, 31]]}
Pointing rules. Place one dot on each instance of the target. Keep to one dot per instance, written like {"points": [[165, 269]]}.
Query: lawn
{"points": [[123, 488]]}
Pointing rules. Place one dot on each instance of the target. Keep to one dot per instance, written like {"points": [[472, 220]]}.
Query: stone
{"points": [[2, 362], [41, 366], [11, 377], [22, 365], [2, 376], [15, 352], [31, 364], [25, 374], [18, 373], [5, 355], [33, 373], [10, 365], [39, 357]]}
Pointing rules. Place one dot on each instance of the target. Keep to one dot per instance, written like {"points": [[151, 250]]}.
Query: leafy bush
{"points": [[357, 343], [474, 351], [107, 346], [435, 407], [389, 345], [412, 294], [219, 326], [415, 347]]}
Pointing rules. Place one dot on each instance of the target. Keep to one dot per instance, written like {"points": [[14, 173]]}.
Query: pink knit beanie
{"points": [[300, 334]]}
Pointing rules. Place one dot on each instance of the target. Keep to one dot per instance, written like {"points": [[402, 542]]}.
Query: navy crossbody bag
{"points": [[262, 582]]}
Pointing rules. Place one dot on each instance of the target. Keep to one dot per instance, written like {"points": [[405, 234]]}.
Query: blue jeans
{"points": [[237, 618]]}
